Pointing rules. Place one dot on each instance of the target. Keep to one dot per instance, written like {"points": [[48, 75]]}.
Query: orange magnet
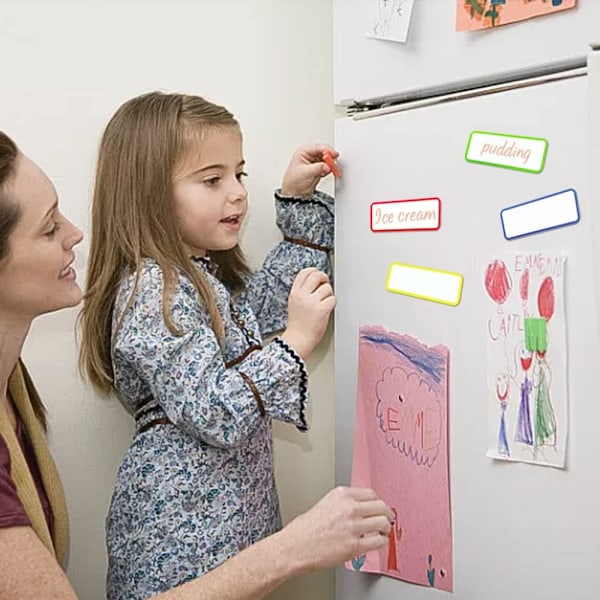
{"points": [[328, 160]]}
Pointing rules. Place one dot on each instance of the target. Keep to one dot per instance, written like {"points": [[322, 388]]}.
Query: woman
{"points": [[36, 277]]}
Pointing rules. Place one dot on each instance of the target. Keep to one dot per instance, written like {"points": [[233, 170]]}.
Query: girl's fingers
{"points": [[314, 153]]}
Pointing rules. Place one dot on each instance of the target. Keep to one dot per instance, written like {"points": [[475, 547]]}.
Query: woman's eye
{"points": [[241, 175], [51, 232]]}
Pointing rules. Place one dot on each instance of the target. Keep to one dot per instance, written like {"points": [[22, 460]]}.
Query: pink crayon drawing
{"points": [[401, 451], [410, 418]]}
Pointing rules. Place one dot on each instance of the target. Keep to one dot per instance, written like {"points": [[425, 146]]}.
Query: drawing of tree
{"points": [[485, 10], [489, 12]]}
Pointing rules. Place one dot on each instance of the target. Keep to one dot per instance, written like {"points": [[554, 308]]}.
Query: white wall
{"points": [[66, 66]]}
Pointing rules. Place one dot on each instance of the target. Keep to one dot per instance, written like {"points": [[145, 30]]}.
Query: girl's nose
{"points": [[238, 192]]}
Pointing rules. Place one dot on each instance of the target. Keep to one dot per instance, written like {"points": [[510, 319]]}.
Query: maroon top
{"points": [[12, 513]]}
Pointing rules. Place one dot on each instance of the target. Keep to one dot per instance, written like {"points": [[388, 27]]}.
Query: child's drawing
{"points": [[394, 536], [482, 14], [409, 414], [401, 451], [524, 431], [390, 19], [527, 358], [502, 393]]}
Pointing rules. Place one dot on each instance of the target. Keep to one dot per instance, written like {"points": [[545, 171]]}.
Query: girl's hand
{"points": [[310, 303], [305, 170]]}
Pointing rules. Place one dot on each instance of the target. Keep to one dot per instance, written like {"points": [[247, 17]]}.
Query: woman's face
{"points": [[36, 275]]}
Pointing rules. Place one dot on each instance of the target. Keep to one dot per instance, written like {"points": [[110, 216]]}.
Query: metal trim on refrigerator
{"points": [[469, 88]]}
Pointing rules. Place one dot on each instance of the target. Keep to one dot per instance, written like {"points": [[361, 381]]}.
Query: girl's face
{"points": [[210, 197], [36, 276]]}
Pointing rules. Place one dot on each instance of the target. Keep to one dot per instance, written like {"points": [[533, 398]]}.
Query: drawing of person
{"points": [[545, 419], [502, 393], [394, 536], [524, 434]]}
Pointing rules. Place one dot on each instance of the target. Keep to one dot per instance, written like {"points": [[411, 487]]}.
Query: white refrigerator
{"points": [[406, 114]]}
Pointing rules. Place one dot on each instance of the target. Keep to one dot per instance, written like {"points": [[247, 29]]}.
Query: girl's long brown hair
{"points": [[133, 217]]}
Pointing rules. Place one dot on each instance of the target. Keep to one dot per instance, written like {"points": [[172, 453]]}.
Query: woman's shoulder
{"points": [[4, 458], [12, 513]]}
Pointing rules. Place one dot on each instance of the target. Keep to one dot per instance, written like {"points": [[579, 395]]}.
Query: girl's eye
{"points": [[212, 181], [241, 176]]}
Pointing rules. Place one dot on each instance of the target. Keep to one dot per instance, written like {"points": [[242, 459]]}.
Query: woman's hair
{"points": [[9, 210], [9, 217], [144, 144]]}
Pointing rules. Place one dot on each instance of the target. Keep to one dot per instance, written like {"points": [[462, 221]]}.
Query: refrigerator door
{"points": [[436, 53], [519, 531]]}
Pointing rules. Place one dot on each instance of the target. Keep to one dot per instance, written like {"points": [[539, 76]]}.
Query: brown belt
{"points": [[154, 423]]}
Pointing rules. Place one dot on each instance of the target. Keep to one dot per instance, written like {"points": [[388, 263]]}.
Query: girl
{"points": [[173, 322]]}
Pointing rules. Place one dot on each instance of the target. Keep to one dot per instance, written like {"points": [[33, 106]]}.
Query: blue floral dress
{"points": [[197, 483]]}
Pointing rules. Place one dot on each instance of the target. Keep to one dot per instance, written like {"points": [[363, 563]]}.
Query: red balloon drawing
{"points": [[545, 298], [497, 281], [524, 285]]}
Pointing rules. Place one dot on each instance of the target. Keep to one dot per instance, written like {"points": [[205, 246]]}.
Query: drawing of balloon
{"points": [[409, 414], [545, 298], [524, 285], [498, 282]]}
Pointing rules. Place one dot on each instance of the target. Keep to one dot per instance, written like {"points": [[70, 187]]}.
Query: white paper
{"points": [[527, 392], [390, 19]]}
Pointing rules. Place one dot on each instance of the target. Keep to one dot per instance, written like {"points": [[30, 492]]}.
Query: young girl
{"points": [[173, 322]]}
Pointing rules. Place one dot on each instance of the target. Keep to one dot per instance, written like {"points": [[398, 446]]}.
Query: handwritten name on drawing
{"points": [[425, 426], [509, 150], [409, 414], [540, 263], [504, 324]]}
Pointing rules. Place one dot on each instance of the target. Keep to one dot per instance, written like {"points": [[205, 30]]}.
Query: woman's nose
{"points": [[73, 237]]}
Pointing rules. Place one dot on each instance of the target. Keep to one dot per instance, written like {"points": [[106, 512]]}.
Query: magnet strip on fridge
{"points": [[517, 152], [444, 287], [540, 214], [415, 214]]}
